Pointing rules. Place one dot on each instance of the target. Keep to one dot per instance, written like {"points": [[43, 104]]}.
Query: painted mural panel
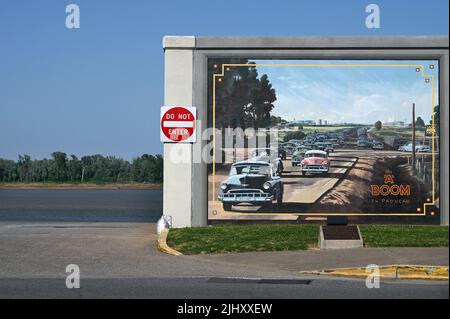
{"points": [[306, 139]]}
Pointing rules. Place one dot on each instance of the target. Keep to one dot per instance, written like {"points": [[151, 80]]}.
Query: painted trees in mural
{"points": [[244, 99], [378, 125], [420, 122], [263, 98]]}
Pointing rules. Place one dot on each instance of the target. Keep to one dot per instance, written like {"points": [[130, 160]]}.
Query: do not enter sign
{"points": [[178, 124]]}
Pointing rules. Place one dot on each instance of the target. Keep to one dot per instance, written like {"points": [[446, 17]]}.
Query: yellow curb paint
{"points": [[422, 272], [389, 272], [161, 244]]}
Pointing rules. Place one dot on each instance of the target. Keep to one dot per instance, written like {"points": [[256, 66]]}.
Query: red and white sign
{"points": [[178, 124]]}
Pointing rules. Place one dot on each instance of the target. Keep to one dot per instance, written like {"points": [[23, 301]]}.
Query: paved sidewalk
{"points": [[102, 250], [326, 259]]}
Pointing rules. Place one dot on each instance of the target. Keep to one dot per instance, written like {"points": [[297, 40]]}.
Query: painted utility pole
{"points": [[414, 136]]}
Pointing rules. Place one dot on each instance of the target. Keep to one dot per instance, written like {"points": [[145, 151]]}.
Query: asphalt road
{"points": [[211, 288], [112, 205]]}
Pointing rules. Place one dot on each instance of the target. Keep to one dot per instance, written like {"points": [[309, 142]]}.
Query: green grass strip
{"points": [[244, 238]]}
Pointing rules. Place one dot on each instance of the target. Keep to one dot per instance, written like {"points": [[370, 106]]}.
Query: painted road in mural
{"points": [[303, 193]]}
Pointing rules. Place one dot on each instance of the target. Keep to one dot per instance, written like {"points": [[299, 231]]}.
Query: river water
{"points": [[107, 205]]}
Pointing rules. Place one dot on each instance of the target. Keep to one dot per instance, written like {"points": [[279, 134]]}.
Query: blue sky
{"points": [[351, 94], [98, 89]]}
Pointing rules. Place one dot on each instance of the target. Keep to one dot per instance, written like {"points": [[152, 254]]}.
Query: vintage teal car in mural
{"points": [[252, 182], [299, 154]]}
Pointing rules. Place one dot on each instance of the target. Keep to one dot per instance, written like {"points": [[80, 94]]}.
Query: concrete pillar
{"points": [[444, 138], [178, 83]]}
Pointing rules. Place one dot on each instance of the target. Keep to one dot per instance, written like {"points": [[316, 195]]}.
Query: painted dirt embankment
{"points": [[353, 194]]}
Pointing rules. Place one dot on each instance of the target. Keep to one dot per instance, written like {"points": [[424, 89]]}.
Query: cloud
{"points": [[298, 86], [351, 96], [284, 78]]}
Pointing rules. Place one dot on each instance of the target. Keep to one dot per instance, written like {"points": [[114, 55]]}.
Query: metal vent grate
{"points": [[221, 280]]}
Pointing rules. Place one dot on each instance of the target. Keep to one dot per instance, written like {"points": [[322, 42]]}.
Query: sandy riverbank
{"points": [[80, 186]]}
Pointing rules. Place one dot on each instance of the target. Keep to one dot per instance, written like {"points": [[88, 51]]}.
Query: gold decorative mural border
{"points": [[418, 68]]}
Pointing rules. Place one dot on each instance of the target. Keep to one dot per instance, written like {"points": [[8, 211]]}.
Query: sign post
{"points": [[178, 124]]}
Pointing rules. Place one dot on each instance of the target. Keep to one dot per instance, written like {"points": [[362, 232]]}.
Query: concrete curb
{"points": [[340, 243], [418, 272], [161, 244]]}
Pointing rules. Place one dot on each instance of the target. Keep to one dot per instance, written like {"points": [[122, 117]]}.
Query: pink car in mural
{"points": [[315, 162]]}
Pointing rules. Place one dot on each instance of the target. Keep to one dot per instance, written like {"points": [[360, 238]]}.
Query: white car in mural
{"points": [[268, 155], [289, 147], [419, 148], [376, 145], [423, 149]]}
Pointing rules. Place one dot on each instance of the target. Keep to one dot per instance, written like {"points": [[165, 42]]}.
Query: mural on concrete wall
{"points": [[306, 139]]}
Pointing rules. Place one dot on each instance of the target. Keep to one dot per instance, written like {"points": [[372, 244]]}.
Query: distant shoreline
{"points": [[148, 186]]}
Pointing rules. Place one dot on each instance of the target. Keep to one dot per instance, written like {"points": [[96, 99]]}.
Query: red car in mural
{"points": [[315, 162]]}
